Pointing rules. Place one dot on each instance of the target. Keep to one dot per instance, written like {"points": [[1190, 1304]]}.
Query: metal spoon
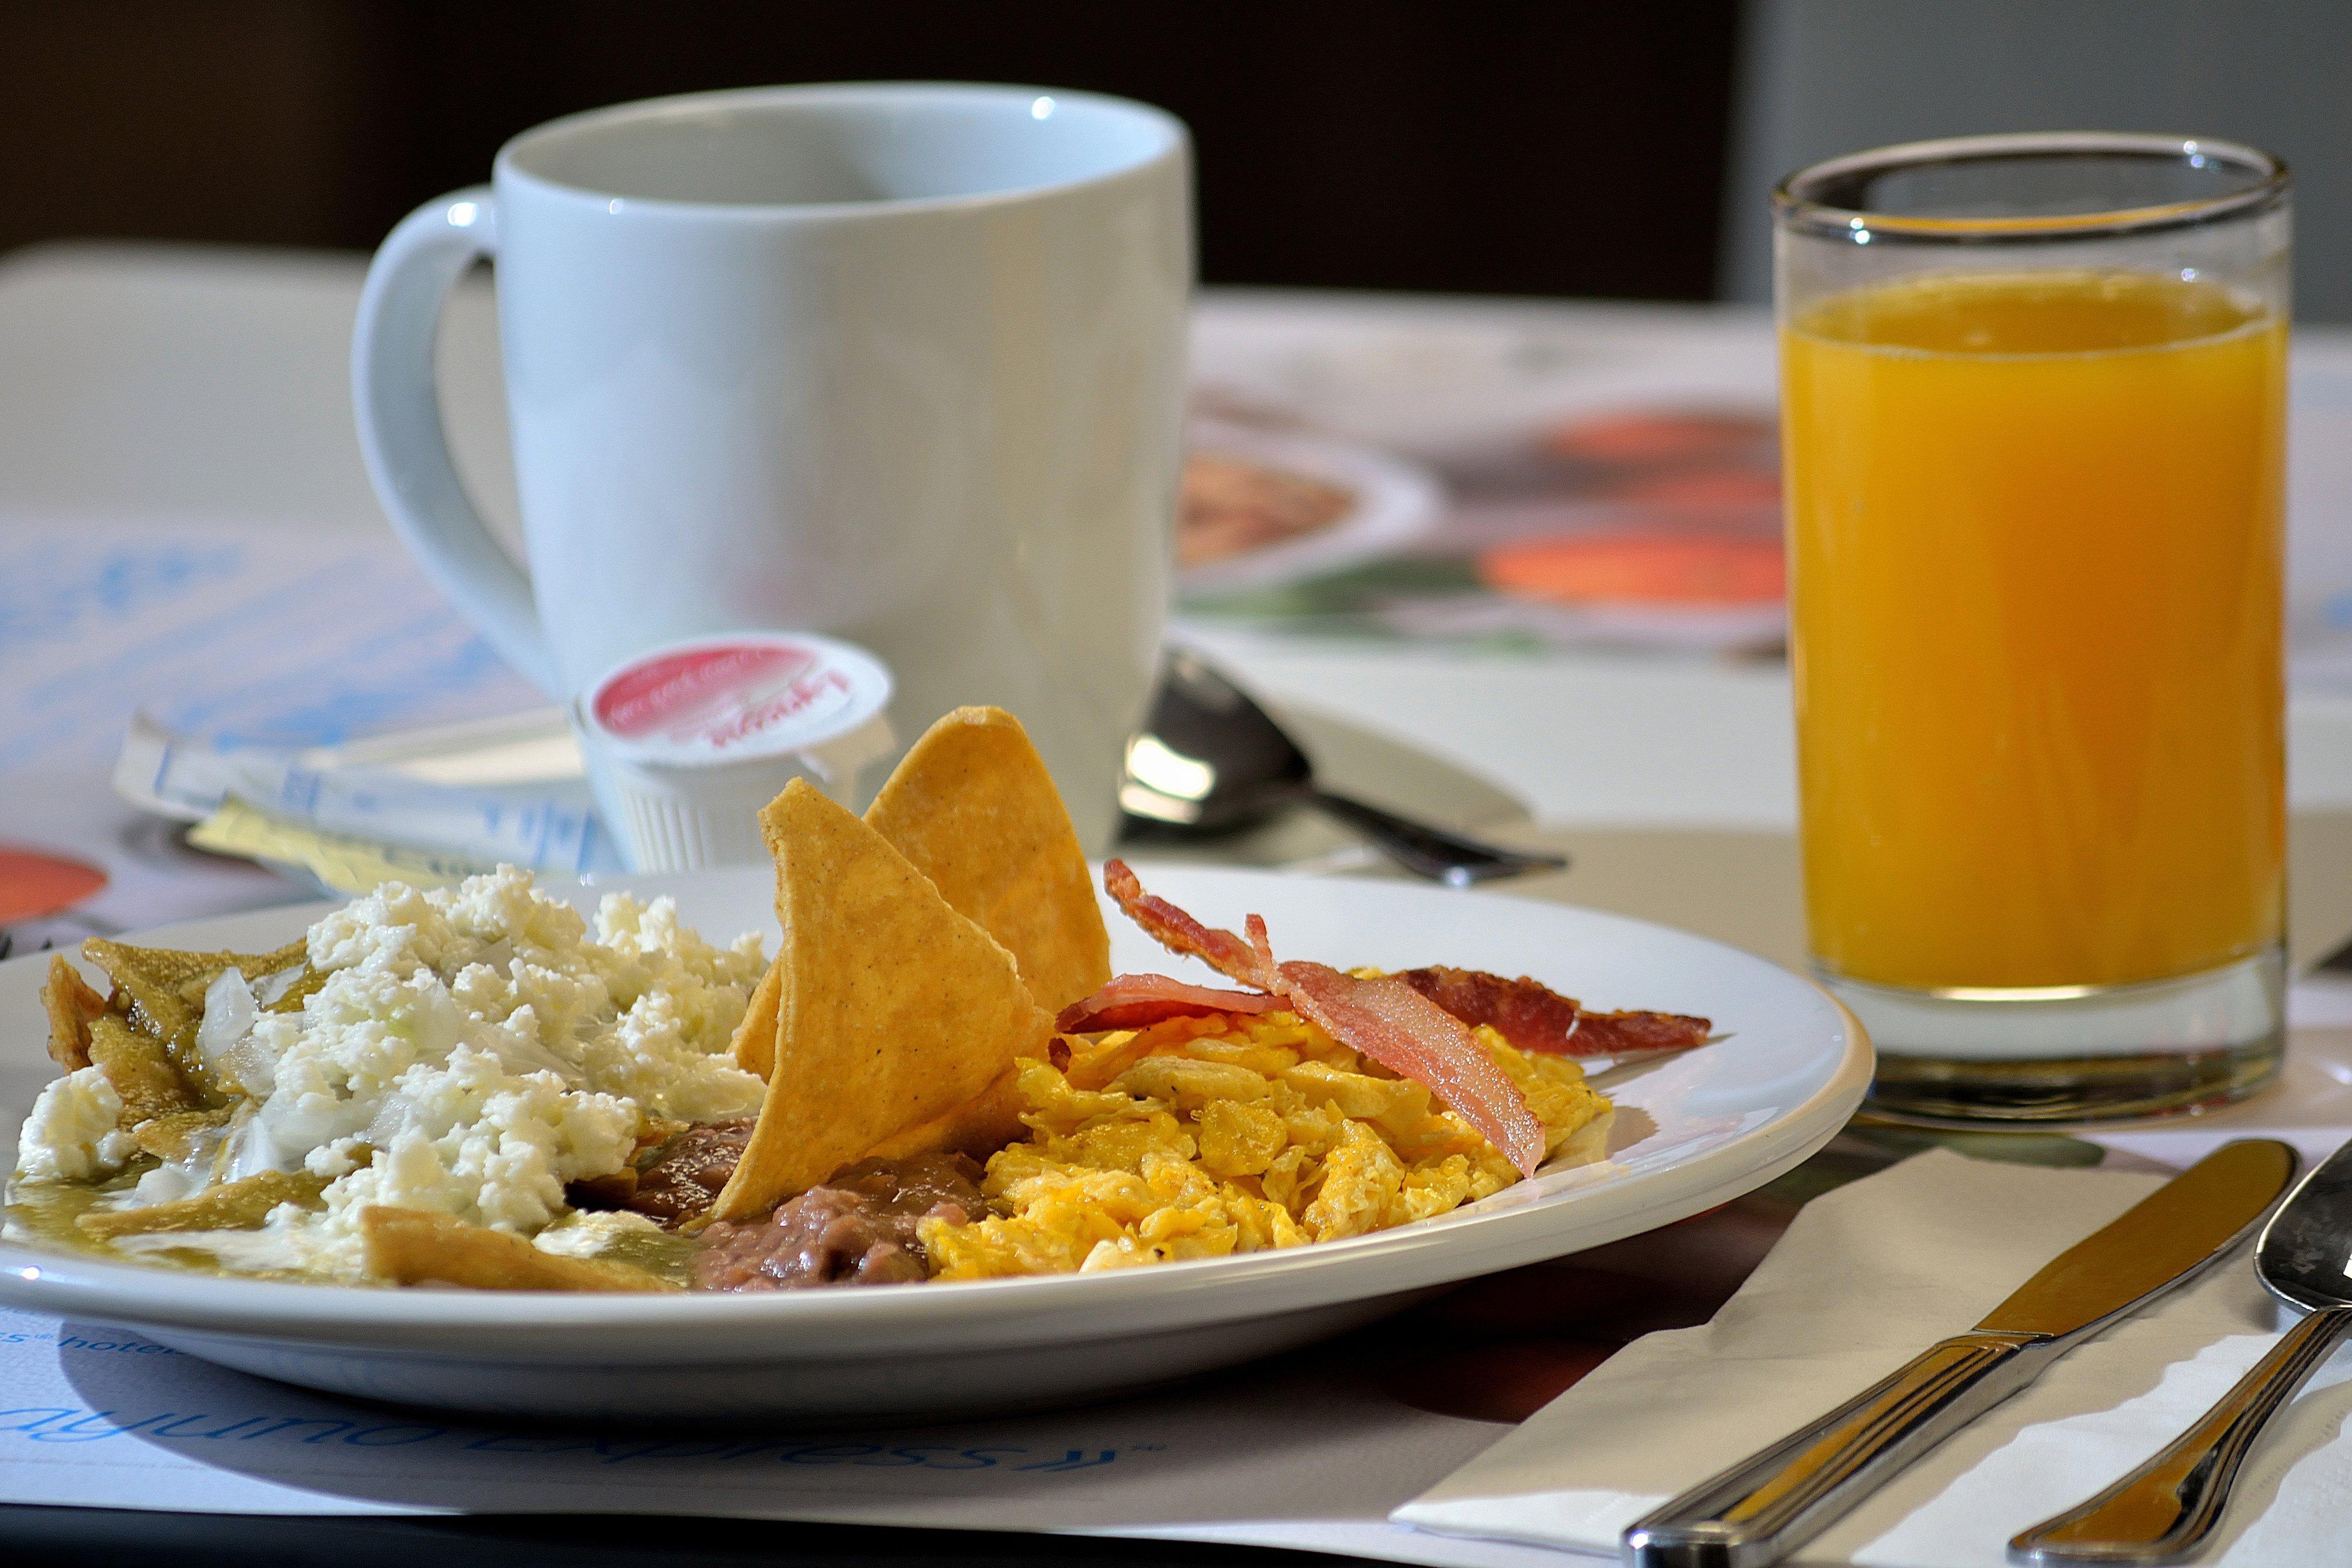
{"points": [[2163, 1512], [1210, 760]]}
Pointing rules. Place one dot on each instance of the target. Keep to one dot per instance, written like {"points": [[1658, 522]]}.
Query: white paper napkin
{"points": [[1867, 1277]]}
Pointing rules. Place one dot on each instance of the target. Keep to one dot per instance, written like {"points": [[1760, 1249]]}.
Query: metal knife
{"points": [[1776, 1500], [2163, 1512]]}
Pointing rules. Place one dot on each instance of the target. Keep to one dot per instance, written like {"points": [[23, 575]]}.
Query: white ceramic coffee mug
{"points": [[899, 362]]}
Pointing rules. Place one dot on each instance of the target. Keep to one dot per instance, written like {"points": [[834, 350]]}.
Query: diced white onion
{"points": [[230, 1012], [165, 1184], [252, 1150], [391, 1118], [271, 987]]}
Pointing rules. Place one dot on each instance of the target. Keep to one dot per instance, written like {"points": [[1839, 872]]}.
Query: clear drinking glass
{"points": [[2034, 414]]}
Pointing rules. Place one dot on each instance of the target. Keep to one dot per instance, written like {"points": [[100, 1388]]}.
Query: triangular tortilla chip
{"points": [[896, 1008], [979, 1127], [413, 1247], [72, 1007], [973, 807], [240, 1205], [140, 1071], [755, 1037]]}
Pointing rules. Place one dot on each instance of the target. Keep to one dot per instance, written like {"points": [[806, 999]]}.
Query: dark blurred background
{"points": [[1416, 146], [1572, 148]]}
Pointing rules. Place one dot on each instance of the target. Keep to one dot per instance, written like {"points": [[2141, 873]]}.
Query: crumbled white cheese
{"points": [[72, 1134], [584, 1233], [471, 1049]]}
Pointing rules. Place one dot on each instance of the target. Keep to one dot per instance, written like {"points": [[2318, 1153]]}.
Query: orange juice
{"points": [[2036, 529]]}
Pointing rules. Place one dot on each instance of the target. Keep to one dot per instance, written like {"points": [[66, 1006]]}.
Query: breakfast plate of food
{"points": [[958, 1123]]}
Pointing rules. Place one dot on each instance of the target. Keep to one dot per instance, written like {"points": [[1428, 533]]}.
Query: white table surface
{"points": [[196, 382]]}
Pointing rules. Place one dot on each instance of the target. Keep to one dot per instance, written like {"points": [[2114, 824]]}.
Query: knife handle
{"points": [[2162, 1511], [1776, 1500]]}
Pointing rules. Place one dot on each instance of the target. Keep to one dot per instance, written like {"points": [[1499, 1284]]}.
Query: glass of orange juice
{"points": [[2033, 419]]}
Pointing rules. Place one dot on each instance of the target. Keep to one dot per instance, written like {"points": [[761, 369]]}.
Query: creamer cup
{"points": [[686, 742]]}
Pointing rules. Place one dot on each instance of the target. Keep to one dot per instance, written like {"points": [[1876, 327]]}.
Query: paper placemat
{"points": [[1294, 1453]]}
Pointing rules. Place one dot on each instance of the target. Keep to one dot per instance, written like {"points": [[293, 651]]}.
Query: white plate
{"points": [[1392, 502], [1692, 1132]]}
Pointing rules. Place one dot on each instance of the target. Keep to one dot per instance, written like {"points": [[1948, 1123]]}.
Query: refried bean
{"points": [[859, 1228], [685, 1173]]}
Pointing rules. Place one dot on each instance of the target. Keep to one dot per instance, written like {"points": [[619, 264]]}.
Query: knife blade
{"points": [[1780, 1497]]}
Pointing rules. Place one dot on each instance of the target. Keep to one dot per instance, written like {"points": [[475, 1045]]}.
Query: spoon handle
{"points": [[1433, 852], [2162, 1511]]}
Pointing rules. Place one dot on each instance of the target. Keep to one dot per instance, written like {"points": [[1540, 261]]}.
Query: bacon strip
{"points": [[1534, 1017], [1180, 933], [1414, 1037], [1384, 1019], [1622, 1034], [1138, 1001], [1531, 1016]]}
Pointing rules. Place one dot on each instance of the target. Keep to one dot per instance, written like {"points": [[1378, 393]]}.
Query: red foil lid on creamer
{"points": [[686, 742]]}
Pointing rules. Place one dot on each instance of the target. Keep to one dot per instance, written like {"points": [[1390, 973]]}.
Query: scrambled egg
{"points": [[1200, 1137]]}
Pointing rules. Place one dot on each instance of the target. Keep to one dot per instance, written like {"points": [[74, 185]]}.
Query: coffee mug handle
{"points": [[399, 412]]}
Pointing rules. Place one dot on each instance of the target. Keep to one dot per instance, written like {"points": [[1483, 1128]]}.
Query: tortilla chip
{"points": [[240, 1205], [300, 990], [71, 1005], [411, 1247], [972, 806], [979, 1127], [166, 990], [755, 1037], [140, 1071], [896, 1009], [174, 1136]]}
